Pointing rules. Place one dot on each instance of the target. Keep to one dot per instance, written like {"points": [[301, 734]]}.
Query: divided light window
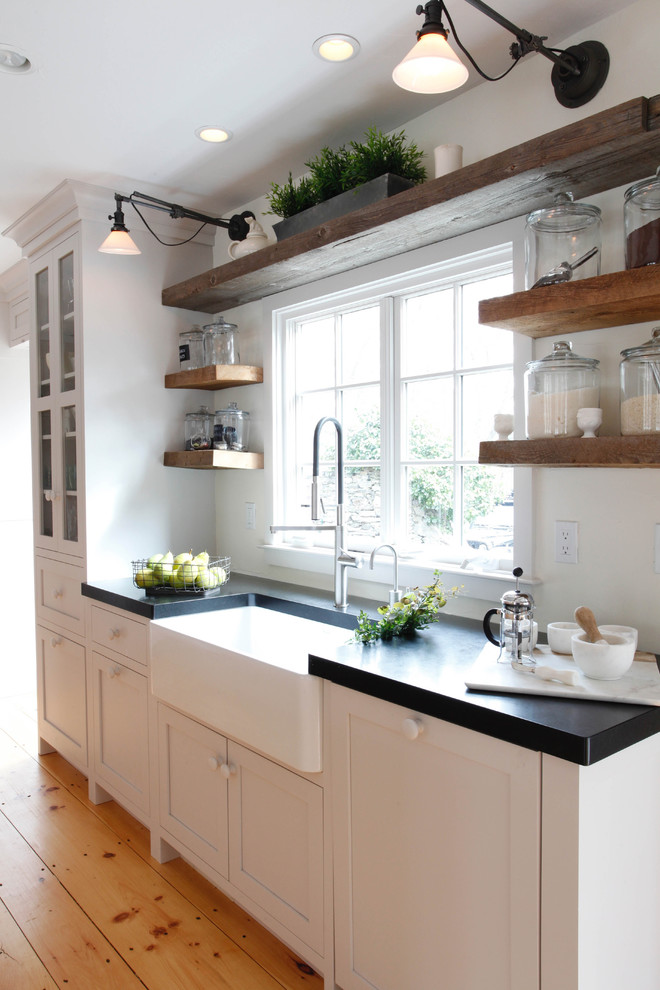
{"points": [[415, 381]]}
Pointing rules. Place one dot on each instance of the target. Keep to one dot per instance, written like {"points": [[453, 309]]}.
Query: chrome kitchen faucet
{"points": [[343, 559]]}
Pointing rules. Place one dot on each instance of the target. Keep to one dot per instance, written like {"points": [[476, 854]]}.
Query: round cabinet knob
{"points": [[213, 764], [56, 641], [227, 770], [115, 672], [412, 728], [58, 593], [115, 634]]}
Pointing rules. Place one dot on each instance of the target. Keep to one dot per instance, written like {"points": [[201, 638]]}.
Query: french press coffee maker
{"points": [[516, 639]]}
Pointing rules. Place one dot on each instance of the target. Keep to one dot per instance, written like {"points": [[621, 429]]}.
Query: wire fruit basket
{"points": [[189, 577]]}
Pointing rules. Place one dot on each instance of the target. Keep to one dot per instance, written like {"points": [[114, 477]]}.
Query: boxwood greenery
{"points": [[333, 171]]}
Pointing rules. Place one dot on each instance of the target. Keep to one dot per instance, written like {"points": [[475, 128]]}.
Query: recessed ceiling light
{"points": [[336, 47], [213, 133], [11, 60]]}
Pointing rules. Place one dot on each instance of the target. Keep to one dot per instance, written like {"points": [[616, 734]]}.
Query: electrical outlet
{"points": [[566, 542], [250, 515]]}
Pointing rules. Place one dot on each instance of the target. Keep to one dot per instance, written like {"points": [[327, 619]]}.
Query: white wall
{"points": [[616, 509]]}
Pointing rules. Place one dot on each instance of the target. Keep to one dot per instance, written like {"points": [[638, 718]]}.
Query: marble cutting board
{"points": [[640, 686]]}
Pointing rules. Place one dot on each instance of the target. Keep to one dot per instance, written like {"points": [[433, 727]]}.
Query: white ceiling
{"points": [[119, 89]]}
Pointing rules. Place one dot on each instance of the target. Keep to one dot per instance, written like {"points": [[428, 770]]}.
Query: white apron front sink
{"points": [[243, 671]]}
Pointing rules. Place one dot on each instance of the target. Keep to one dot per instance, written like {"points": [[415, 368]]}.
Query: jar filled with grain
{"points": [[641, 215], [556, 386], [640, 387]]}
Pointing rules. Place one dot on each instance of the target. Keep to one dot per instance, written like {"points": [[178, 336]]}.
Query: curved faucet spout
{"points": [[315, 465], [395, 593]]}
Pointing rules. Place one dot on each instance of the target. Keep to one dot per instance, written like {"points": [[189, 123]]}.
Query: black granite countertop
{"points": [[426, 674]]}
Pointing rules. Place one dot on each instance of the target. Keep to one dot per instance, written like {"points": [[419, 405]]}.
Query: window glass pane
{"points": [[483, 395], [361, 422], [429, 419], [360, 346], [362, 498], [427, 333], [488, 508], [315, 354], [483, 345], [430, 505], [311, 408], [67, 339]]}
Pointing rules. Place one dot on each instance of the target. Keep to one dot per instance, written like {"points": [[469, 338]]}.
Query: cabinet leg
{"points": [[161, 850], [97, 795], [45, 748]]}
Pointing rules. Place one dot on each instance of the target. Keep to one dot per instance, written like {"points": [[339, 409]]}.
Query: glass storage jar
{"points": [[191, 348], [641, 221], [564, 232], [640, 387], [220, 345], [231, 428], [556, 386], [199, 429]]}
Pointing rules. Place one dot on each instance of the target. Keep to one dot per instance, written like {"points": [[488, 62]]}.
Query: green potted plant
{"points": [[345, 179]]}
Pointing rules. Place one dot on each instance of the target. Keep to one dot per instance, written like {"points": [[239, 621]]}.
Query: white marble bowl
{"points": [[625, 631], [560, 635], [603, 661]]}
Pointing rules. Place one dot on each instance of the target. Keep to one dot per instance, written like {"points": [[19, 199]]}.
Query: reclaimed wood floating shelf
{"points": [[209, 459], [588, 156], [615, 300], [216, 376], [624, 452]]}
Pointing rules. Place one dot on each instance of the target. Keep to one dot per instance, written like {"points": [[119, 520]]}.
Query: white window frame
{"points": [[483, 251]]}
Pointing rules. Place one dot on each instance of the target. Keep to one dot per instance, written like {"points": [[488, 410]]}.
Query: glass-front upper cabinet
{"points": [[58, 443]]}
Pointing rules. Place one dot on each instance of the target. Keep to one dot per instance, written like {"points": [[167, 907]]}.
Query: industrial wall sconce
{"points": [[119, 240], [432, 66]]}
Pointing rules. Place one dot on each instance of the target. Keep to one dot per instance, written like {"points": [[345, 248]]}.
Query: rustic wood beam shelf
{"points": [[624, 452], [604, 301], [209, 459], [588, 156], [216, 376]]}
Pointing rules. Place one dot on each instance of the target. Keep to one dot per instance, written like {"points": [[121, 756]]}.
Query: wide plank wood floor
{"points": [[83, 906]]}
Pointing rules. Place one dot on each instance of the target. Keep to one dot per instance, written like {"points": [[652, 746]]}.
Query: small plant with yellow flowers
{"points": [[416, 610]]}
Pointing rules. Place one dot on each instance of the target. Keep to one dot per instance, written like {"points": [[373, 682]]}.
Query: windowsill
{"points": [[474, 583]]}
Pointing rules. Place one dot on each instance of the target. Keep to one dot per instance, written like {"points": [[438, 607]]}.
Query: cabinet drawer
{"points": [[58, 596], [114, 631]]}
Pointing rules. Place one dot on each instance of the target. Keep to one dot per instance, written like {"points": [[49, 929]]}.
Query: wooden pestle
{"points": [[586, 619]]}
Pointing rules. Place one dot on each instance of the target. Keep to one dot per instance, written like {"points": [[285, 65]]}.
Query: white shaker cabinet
{"points": [[257, 825], [436, 852], [62, 691]]}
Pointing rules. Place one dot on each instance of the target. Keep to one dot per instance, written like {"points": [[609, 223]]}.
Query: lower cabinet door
{"points": [[437, 853], [193, 787], [121, 734], [62, 695], [276, 842]]}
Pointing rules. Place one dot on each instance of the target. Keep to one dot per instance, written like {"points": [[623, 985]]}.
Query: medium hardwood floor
{"points": [[83, 906]]}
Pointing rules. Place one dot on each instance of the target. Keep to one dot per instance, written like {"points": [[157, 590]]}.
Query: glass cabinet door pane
{"points": [[43, 332], [67, 320], [45, 475], [69, 461]]}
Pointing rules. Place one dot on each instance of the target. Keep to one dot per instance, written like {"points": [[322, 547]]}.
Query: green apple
{"points": [[207, 578], [163, 569], [145, 578]]}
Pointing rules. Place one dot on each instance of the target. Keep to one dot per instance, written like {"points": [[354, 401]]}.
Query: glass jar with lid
{"points": [[565, 232], [640, 387], [641, 221], [556, 386], [231, 428], [191, 348], [220, 345], [199, 429]]}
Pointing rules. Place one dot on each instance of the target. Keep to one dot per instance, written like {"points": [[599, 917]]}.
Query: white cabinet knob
{"points": [[115, 672], [213, 764], [56, 641], [227, 770], [412, 728], [58, 593], [115, 633]]}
